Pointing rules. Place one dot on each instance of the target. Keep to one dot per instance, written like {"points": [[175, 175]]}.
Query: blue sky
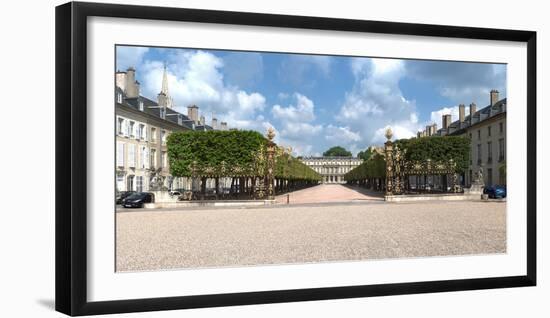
{"points": [[314, 101]]}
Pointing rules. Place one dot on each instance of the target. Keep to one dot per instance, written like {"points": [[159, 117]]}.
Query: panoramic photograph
{"points": [[235, 158]]}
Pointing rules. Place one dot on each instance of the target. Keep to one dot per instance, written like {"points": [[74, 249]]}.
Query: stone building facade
{"points": [[332, 169], [142, 127], [486, 129]]}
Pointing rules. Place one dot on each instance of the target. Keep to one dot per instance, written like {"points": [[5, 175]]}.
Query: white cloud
{"points": [[376, 101], [195, 77], [302, 111], [436, 116], [282, 96], [462, 83], [295, 125], [129, 56], [342, 135], [400, 131]]}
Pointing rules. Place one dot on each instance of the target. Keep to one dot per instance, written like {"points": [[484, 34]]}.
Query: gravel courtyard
{"points": [[152, 240]]}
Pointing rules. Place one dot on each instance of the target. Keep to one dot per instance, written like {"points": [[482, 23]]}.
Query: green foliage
{"points": [[233, 153], [437, 149], [365, 155], [290, 168], [374, 167], [502, 170], [337, 151]]}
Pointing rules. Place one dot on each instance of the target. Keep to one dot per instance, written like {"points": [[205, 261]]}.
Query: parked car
{"points": [[122, 195], [495, 192], [137, 200], [175, 193]]}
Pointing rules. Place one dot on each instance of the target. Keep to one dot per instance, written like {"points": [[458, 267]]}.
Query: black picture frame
{"points": [[71, 157]]}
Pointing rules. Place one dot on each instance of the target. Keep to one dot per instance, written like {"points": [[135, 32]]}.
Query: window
{"points": [[144, 158], [470, 136], [130, 183], [153, 159], [142, 132], [162, 111], [163, 136], [501, 149], [131, 129], [120, 126], [139, 184], [489, 131], [479, 135], [489, 152], [153, 134], [120, 182], [489, 177], [163, 159], [131, 155], [119, 98], [141, 105], [120, 154], [501, 127], [479, 154]]}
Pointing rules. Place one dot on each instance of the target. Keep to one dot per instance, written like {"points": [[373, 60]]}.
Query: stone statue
{"points": [[480, 174], [156, 182]]}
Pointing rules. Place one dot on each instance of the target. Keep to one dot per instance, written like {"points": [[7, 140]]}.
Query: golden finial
{"points": [[389, 133], [270, 133]]}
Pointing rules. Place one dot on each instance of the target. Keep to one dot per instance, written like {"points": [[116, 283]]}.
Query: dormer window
{"points": [[162, 112], [180, 119], [141, 105], [119, 98]]}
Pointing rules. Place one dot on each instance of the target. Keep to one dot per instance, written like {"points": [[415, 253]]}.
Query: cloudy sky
{"points": [[313, 101]]}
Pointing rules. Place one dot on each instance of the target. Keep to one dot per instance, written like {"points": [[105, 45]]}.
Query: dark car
{"points": [[137, 200], [495, 192], [123, 195]]}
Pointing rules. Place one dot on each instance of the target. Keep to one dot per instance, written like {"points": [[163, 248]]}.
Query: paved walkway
{"points": [[154, 240], [329, 193]]}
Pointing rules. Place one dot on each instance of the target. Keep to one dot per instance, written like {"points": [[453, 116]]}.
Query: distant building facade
{"points": [[486, 129], [142, 128], [332, 169]]}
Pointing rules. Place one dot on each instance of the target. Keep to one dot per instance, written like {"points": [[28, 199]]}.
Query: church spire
{"points": [[164, 89], [163, 97]]}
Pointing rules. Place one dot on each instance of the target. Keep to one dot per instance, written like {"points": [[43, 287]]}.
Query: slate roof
{"points": [[151, 107], [484, 113]]}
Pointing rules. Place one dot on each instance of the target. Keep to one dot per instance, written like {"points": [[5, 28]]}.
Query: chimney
{"points": [[193, 113], [121, 80], [214, 123], [461, 113], [446, 121], [494, 97], [132, 86], [473, 109]]}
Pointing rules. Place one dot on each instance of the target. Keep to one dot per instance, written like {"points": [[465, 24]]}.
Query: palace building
{"points": [[486, 129], [332, 169], [142, 128]]}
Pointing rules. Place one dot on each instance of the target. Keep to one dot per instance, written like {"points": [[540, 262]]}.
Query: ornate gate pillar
{"points": [[389, 162], [270, 162]]}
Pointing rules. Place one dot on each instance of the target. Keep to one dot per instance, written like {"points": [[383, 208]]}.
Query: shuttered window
{"points": [[120, 154], [131, 155]]}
